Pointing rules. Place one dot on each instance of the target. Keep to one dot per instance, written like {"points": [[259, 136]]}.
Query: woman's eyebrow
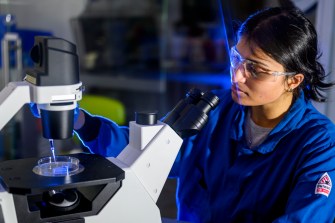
{"points": [[260, 64], [257, 62], [252, 60]]}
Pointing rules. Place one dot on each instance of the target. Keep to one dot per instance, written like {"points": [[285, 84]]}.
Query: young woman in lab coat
{"points": [[266, 154]]}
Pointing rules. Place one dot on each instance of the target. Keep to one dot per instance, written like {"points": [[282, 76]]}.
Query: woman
{"points": [[266, 154]]}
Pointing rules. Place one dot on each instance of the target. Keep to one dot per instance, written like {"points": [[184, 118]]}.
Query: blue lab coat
{"points": [[288, 178]]}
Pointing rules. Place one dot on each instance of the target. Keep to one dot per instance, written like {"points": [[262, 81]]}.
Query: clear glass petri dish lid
{"points": [[58, 166]]}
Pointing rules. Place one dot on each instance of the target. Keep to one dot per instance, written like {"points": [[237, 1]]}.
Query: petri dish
{"points": [[58, 166]]}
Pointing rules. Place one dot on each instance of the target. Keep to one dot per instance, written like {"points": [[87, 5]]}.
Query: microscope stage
{"points": [[17, 176]]}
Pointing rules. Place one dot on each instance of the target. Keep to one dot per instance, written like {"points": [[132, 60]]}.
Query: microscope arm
{"points": [[12, 98], [146, 161], [150, 154]]}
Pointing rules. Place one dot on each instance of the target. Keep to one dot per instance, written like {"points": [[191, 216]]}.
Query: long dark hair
{"points": [[288, 37]]}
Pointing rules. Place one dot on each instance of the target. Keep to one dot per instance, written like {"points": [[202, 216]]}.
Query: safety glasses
{"points": [[252, 69]]}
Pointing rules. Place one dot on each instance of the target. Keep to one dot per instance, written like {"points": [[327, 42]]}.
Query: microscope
{"points": [[92, 188]]}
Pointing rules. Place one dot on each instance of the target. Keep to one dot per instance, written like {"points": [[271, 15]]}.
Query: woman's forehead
{"points": [[250, 50]]}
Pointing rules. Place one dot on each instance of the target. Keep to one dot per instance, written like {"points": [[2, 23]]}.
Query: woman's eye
{"points": [[252, 68], [256, 70]]}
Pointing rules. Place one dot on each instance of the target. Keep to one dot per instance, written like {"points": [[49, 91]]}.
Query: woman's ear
{"points": [[295, 81]]}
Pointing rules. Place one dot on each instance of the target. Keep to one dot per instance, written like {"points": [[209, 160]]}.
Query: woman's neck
{"points": [[270, 115]]}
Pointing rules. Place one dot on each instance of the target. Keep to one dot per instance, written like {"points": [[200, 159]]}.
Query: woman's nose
{"points": [[237, 75]]}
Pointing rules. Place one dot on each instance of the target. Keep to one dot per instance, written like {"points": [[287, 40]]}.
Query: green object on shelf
{"points": [[104, 106]]}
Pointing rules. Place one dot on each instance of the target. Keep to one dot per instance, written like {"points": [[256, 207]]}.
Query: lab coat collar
{"points": [[284, 127]]}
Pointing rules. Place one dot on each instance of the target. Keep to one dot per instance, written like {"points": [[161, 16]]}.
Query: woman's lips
{"points": [[237, 90]]}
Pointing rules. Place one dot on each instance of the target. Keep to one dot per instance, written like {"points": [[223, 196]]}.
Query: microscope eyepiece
{"points": [[207, 102], [191, 113]]}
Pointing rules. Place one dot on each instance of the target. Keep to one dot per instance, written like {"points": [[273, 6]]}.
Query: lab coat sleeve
{"points": [[312, 198], [103, 136]]}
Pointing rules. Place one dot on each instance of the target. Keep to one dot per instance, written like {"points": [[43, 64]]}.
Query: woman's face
{"points": [[249, 90]]}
